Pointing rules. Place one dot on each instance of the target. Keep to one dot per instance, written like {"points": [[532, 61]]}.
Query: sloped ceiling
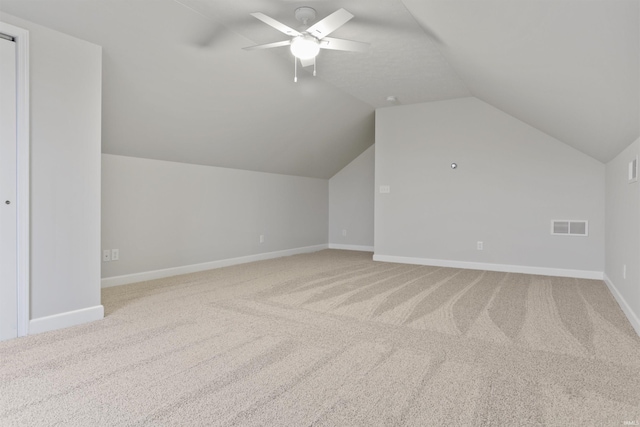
{"points": [[567, 67], [178, 86]]}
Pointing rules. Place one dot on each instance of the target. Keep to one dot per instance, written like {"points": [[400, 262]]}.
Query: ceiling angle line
{"points": [[192, 9]]}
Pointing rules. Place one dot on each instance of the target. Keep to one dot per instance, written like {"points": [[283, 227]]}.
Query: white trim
{"points": [[351, 247], [193, 268], [626, 309], [66, 319], [21, 37], [542, 271]]}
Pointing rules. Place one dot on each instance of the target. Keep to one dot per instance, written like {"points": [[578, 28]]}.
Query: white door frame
{"points": [[22, 162]]}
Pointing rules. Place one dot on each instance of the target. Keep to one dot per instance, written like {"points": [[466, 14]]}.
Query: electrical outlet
{"points": [[344, 233], [106, 255], [262, 238], [624, 271], [115, 254], [480, 246], [385, 189]]}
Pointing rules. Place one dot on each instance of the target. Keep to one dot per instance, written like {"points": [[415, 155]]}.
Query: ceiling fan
{"points": [[306, 44]]}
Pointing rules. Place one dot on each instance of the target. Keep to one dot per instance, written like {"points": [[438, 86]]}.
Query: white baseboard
{"points": [[628, 311], [351, 247], [193, 268], [66, 319], [543, 271]]}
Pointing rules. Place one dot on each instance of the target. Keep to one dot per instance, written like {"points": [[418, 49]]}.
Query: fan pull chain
{"points": [[314, 66], [295, 69]]}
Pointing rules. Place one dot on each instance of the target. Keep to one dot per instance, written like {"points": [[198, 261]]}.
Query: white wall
{"points": [[163, 215], [511, 181], [351, 196], [65, 101], [623, 234]]}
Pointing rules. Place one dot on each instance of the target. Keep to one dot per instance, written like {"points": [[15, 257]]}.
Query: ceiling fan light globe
{"points": [[305, 47]]}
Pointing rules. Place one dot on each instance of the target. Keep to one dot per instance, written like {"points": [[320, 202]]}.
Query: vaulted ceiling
{"points": [[178, 86]]}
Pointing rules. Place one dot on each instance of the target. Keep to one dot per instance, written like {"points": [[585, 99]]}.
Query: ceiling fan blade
{"points": [[268, 45], [329, 24], [307, 62], [276, 24], [341, 44]]}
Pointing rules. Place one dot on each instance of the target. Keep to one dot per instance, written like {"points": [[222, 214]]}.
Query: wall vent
{"points": [[633, 170], [560, 227]]}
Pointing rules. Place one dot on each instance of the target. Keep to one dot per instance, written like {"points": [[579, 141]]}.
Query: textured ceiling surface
{"points": [[403, 59], [167, 97], [178, 85], [567, 67]]}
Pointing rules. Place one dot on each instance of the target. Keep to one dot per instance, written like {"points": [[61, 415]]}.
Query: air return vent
{"points": [[569, 228]]}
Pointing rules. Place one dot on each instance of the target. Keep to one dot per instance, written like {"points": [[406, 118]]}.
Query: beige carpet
{"points": [[334, 339]]}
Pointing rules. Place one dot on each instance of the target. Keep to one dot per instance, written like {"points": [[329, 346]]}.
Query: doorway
{"points": [[14, 182], [8, 184]]}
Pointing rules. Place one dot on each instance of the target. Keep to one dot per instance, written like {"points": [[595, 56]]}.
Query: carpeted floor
{"points": [[334, 339]]}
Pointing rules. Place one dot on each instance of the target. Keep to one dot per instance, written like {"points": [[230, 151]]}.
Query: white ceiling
{"points": [[567, 67], [178, 86]]}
